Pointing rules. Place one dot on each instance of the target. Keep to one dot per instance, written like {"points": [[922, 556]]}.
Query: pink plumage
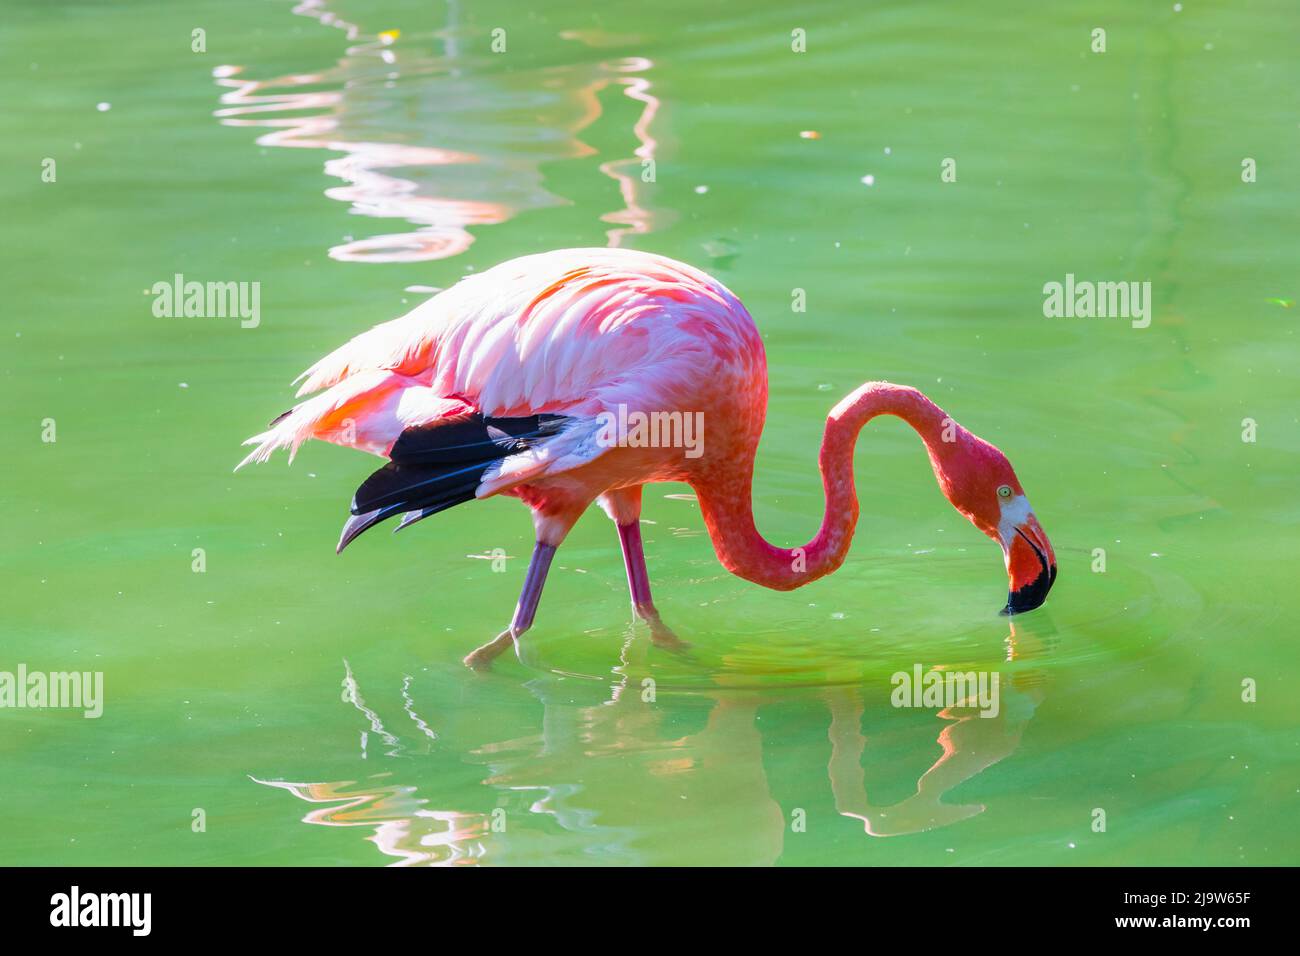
{"points": [[510, 382]]}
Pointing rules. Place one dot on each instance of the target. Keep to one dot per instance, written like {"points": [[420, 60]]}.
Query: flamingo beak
{"points": [[1031, 566]]}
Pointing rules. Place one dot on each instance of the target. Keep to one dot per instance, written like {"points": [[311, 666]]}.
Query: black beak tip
{"points": [[1032, 595]]}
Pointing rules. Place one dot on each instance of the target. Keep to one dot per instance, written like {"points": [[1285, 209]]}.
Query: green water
{"points": [[314, 707]]}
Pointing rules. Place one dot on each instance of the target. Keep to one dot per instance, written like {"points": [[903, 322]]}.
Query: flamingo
{"points": [[511, 381]]}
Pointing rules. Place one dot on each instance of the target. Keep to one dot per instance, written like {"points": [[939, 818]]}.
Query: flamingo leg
{"points": [[638, 583], [525, 610]]}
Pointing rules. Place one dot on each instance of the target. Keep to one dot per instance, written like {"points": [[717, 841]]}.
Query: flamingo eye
{"points": [[1004, 491]]}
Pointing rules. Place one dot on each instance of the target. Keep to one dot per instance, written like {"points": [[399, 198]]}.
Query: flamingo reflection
{"points": [[970, 744], [608, 776]]}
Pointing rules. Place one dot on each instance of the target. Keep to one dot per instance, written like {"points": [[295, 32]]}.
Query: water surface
{"points": [[343, 154]]}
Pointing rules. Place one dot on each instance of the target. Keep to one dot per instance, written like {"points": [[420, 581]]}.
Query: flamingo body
{"points": [[506, 382], [574, 332]]}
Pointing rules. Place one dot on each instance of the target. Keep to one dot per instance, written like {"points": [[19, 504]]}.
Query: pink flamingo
{"points": [[527, 380]]}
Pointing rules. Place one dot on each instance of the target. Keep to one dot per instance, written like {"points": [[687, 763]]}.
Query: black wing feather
{"points": [[433, 467], [401, 484], [470, 438]]}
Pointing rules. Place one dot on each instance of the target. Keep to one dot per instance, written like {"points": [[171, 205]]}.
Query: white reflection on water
{"points": [[469, 135], [402, 825]]}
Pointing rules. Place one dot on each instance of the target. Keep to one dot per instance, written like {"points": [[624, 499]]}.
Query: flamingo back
{"points": [[574, 332]]}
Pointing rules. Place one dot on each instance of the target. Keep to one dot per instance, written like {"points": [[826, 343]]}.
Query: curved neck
{"points": [[726, 496]]}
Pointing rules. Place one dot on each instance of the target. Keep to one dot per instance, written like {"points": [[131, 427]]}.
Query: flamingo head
{"points": [[980, 483]]}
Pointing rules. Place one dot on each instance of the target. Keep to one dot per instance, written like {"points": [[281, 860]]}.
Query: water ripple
{"points": [[470, 137]]}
